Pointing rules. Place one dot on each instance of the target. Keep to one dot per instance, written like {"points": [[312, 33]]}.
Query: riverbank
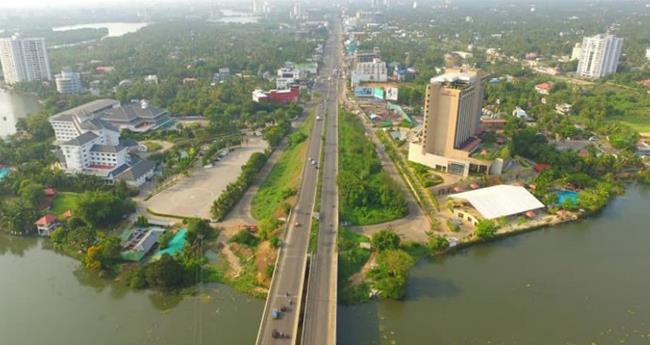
{"points": [[573, 269], [359, 258]]}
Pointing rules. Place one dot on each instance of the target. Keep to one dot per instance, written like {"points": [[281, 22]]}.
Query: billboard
{"points": [[391, 94], [378, 93], [363, 91]]}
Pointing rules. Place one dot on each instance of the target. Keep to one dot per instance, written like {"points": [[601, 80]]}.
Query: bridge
{"points": [[305, 285]]}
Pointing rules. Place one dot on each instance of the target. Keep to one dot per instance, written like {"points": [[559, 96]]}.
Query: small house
{"points": [[543, 88], [46, 224]]}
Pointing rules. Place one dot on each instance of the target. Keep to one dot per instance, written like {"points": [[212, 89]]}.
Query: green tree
{"points": [[385, 240], [391, 273], [18, 216], [166, 273], [485, 229], [199, 229]]}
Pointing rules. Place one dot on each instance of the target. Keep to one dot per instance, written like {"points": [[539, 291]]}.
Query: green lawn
{"points": [[283, 178], [64, 201]]}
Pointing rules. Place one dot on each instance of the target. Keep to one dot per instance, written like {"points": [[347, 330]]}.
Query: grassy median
{"points": [[278, 191]]}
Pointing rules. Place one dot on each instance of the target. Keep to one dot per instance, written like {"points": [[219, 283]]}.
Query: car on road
{"points": [[317, 118], [275, 314]]}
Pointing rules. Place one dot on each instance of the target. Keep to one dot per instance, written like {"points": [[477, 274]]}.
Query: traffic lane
{"points": [[290, 270]]}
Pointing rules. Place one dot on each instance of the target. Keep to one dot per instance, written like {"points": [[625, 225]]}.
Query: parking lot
{"points": [[192, 196]]}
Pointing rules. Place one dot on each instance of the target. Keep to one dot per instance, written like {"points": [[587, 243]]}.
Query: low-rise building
{"points": [[151, 79], [90, 144], [500, 201], [68, 82], [373, 71], [543, 88], [278, 96], [46, 224], [287, 76], [136, 116], [563, 109]]}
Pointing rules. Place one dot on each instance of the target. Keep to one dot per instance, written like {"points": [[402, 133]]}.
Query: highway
{"points": [[288, 280], [319, 321]]}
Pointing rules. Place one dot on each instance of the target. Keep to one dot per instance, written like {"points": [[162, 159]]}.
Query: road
{"points": [[319, 321], [288, 281]]}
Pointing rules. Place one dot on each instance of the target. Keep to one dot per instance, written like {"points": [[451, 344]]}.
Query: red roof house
{"points": [[543, 88], [46, 224], [539, 167]]}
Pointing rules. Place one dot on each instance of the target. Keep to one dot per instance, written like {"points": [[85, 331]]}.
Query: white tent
{"points": [[500, 200]]}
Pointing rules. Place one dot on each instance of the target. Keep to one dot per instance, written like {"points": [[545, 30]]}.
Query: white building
{"points": [[151, 79], [599, 55], [24, 59], [68, 82], [286, 77], [91, 145], [373, 71], [647, 53]]}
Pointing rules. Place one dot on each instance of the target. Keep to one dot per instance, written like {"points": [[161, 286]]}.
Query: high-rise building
{"points": [[452, 114], [599, 56], [647, 53], [68, 82], [24, 59]]}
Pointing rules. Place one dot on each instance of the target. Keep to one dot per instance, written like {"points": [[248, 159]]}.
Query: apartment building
{"points": [[599, 56], [68, 82], [24, 59]]}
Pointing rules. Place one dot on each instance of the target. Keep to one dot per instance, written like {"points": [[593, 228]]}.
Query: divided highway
{"points": [[319, 321], [288, 282]]}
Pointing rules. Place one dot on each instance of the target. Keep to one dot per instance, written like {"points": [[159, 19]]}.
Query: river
{"points": [[14, 106], [115, 29], [46, 298], [580, 283]]}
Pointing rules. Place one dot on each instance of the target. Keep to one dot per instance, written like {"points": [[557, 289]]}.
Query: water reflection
{"points": [[14, 106], [72, 306], [16, 246]]}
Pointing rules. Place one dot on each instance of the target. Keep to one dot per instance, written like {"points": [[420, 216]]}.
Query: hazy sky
{"points": [[89, 3]]}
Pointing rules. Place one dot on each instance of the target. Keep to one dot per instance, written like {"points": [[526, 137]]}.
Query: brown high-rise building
{"points": [[452, 114]]}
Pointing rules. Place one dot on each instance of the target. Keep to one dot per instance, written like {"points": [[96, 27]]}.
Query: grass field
{"points": [[367, 194], [283, 178], [64, 201]]}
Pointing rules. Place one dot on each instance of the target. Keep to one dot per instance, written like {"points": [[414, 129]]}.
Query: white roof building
{"points": [[500, 200]]}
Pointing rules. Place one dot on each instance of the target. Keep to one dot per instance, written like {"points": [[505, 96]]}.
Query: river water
{"points": [[46, 298], [115, 29], [581, 283], [14, 106]]}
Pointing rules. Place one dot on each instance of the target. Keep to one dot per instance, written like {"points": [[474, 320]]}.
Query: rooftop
{"points": [[81, 140], [87, 108], [500, 200]]}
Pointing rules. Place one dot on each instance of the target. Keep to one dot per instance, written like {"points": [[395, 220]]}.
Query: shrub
{"points": [[245, 237], [485, 229], [385, 240]]}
